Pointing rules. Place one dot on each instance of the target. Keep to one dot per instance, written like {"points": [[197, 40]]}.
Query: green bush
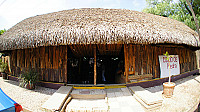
{"points": [[29, 77], [4, 67]]}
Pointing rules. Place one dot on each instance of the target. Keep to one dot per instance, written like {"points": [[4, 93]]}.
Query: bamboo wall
{"points": [[143, 59], [51, 62]]}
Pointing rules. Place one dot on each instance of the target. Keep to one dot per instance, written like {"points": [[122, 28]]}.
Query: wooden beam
{"points": [[126, 61], [65, 65], [9, 67], [95, 63]]}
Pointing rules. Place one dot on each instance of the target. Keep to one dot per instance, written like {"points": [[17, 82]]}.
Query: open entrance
{"points": [[80, 64], [80, 70], [109, 68], [109, 64]]}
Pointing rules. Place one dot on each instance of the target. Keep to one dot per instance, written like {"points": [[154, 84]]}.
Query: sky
{"points": [[14, 11]]}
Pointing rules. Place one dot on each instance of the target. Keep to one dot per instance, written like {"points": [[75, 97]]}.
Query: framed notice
{"points": [[164, 65]]}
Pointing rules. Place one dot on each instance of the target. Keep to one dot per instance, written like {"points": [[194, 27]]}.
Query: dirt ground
{"points": [[29, 99]]}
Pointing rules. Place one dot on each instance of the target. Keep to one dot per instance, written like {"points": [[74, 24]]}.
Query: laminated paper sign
{"points": [[164, 65]]}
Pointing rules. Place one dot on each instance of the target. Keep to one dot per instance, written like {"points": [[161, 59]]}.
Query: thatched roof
{"points": [[96, 26]]}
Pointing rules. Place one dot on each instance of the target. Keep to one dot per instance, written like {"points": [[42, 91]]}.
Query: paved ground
{"points": [[89, 105], [186, 95], [117, 100], [121, 100]]}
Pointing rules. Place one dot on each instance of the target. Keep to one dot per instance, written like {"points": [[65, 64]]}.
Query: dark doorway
{"points": [[80, 68], [107, 69], [110, 66]]}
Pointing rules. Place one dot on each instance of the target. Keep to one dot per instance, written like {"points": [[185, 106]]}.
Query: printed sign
{"points": [[164, 65]]}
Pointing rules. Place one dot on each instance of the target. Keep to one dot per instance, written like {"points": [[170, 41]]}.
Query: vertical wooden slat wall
{"points": [[144, 58], [51, 62]]}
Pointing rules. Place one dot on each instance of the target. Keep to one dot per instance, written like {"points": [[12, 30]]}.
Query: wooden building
{"points": [[95, 46]]}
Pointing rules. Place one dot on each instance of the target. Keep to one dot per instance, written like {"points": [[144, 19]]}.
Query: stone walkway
{"points": [[89, 105], [121, 100], [185, 99], [117, 100]]}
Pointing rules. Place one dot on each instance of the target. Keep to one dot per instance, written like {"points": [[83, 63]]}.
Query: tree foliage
{"points": [[175, 9], [2, 31]]}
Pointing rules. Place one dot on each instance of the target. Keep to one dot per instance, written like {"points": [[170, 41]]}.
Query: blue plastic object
{"points": [[6, 103]]}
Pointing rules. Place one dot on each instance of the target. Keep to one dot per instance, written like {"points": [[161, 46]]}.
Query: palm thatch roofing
{"points": [[96, 26]]}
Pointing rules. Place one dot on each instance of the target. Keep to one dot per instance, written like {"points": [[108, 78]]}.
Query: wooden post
{"points": [[198, 58], [9, 68], [126, 61], [95, 68], [65, 65]]}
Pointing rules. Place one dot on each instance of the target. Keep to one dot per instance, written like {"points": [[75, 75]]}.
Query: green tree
{"points": [[194, 16], [178, 10], [2, 31]]}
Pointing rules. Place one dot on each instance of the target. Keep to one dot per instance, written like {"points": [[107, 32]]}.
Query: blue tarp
{"points": [[6, 103]]}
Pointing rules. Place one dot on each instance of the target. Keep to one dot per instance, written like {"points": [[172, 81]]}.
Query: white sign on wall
{"points": [[164, 65]]}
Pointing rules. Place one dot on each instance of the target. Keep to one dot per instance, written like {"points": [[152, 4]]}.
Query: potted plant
{"points": [[28, 79], [4, 70], [168, 87]]}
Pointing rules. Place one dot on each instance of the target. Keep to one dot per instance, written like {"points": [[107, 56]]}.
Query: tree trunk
{"points": [[197, 28], [195, 19]]}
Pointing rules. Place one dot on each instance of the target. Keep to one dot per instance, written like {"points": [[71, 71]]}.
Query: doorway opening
{"points": [[80, 68], [109, 68], [109, 64]]}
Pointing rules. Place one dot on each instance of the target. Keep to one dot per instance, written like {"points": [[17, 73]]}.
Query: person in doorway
{"points": [[103, 73]]}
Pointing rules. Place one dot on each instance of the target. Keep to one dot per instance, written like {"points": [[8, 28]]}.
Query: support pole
{"points": [[198, 59], [95, 66], [65, 65], [126, 61]]}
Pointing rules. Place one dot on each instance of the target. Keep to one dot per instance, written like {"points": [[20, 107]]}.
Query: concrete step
{"points": [[56, 101], [146, 96], [150, 101], [135, 78], [88, 105], [88, 94], [148, 107]]}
